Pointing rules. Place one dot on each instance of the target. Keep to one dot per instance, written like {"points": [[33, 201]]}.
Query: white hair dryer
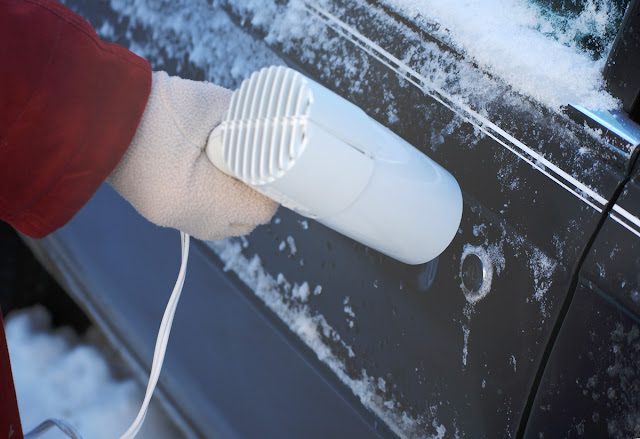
{"points": [[316, 153]]}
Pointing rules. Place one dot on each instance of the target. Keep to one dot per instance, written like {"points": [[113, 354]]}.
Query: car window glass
{"points": [[590, 24], [551, 50]]}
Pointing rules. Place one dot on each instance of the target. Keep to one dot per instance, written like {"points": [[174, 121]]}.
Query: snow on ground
{"points": [[59, 374]]}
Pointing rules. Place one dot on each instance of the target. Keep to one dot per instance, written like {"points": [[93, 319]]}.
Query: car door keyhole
{"points": [[476, 272], [472, 273]]}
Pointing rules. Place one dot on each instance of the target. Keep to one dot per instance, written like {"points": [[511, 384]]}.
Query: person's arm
{"points": [[74, 109], [69, 107]]}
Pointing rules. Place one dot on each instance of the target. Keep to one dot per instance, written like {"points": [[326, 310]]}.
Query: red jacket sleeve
{"points": [[69, 107], [10, 426]]}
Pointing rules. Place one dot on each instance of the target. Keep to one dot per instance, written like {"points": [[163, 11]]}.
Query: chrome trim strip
{"points": [[629, 217], [627, 226], [626, 219], [617, 122]]}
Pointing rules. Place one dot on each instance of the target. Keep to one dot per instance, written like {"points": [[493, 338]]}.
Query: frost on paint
{"points": [[291, 242], [325, 342], [348, 310], [188, 33], [624, 373], [491, 252], [513, 362], [618, 383], [301, 292], [542, 268], [465, 344]]}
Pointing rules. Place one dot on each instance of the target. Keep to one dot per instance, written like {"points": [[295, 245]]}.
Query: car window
{"points": [[553, 51], [590, 24]]}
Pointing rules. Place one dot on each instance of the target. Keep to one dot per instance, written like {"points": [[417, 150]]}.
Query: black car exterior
{"points": [[526, 326]]}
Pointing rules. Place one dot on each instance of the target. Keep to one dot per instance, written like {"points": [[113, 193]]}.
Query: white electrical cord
{"points": [[156, 364], [161, 341]]}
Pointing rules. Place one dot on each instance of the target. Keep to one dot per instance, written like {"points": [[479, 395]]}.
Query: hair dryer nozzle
{"points": [[318, 154]]}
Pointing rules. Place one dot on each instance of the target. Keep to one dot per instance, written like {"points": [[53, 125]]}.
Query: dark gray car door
{"points": [[296, 330]]}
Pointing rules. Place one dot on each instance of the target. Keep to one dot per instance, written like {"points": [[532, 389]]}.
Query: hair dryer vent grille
{"points": [[264, 130]]}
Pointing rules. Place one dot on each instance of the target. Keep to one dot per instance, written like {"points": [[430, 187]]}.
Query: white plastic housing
{"points": [[318, 154]]}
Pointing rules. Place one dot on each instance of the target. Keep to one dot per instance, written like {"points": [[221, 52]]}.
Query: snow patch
{"points": [[292, 245], [542, 268], [495, 33], [59, 374], [479, 229], [513, 362], [348, 310], [301, 292], [465, 345], [382, 384]]}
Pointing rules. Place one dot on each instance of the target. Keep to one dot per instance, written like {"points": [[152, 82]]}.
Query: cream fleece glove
{"points": [[165, 173]]}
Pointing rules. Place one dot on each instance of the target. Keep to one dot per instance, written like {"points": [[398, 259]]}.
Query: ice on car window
{"points": [[552, 50], [589, 24]]}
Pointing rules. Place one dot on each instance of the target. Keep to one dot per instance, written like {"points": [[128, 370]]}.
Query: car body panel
{"points": [[384, 348], [230, 371], [599, 395]]}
